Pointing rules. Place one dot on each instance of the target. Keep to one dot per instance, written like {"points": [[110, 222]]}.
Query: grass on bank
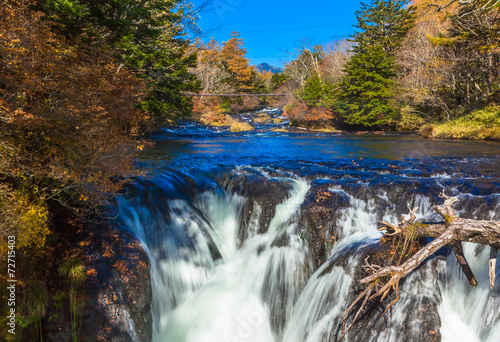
{"points": [[482, 124]]}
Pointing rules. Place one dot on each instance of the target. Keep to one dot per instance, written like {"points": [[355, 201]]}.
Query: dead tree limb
{"points": [[453, 231], [461, 2]]}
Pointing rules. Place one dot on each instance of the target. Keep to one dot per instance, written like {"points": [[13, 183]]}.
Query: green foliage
{"points": [[317, 92], [111, 20], [480, 124], [441, 41], [148, 37], [34, 302], [73, 269], [366, 90], [408, 120], [168, 76], [277, 80]]}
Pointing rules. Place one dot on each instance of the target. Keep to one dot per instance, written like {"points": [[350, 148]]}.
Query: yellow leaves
{"points": [[488, 48], [441, 41], [140, 147], [25, 219]]}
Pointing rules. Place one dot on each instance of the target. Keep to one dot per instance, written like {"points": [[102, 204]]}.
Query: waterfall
{"points": [[241, 296], [322, 302], [470, 313], [210, 284]]}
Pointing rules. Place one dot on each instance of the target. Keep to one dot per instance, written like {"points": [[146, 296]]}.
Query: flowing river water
{"points": [[256, 236]]}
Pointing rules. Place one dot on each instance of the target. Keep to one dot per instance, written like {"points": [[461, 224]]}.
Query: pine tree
{"points": [[368, 86]]}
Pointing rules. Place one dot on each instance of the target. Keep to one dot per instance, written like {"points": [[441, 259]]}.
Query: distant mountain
{"points": [[266, 67]]}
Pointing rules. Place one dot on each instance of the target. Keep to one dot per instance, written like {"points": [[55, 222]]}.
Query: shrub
{"points": [[409, 121], [480, 124], [34, 302], [428, 131]]}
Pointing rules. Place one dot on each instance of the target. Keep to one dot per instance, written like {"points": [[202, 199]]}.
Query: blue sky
{"points": [[271, 28]]}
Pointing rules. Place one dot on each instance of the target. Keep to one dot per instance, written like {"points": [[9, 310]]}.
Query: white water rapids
{"points": [[265, 289]]}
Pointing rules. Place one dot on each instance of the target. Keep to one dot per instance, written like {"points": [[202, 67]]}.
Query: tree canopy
{"points": [[368, 86]]}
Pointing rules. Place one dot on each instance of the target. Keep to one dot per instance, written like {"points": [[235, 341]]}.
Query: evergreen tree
{"points": [[368, 85], [317, 92], [147, 36]]}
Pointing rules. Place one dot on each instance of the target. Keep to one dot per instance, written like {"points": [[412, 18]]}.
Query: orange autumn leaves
{"points": [[69, 117], [224, 69], [64, 106], [233, 53]]}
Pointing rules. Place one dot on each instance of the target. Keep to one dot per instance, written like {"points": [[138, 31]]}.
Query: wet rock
{"points": [[118, 307], [414, 317], [320, 215], [262, 196], [318, 219], [116, 294]]}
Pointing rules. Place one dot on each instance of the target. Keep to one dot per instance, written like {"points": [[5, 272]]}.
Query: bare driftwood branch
{"points": [[461, 2], [453, 231]]}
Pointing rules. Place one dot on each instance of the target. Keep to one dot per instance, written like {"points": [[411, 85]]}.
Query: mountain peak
{"points": [[262, 67]]}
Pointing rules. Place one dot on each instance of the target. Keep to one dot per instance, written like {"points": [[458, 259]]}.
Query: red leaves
{"points": [[304, 113]]}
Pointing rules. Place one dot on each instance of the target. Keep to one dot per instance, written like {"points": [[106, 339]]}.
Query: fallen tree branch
{"points": [[453, 231]]}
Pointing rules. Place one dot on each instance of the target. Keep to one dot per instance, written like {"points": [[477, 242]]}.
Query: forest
{"points": [[83, 83], [411, 66]]}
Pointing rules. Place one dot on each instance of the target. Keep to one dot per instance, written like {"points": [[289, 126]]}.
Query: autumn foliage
{"points": [[69, 121], [224, 69], [438, 62]]}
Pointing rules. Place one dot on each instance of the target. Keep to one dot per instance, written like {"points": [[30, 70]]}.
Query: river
{"points": [[256, 236]]}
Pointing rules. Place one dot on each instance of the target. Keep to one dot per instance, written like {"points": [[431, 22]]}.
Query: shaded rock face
{"points": [[116, 295], [330, 206], [262, 196], [324, 213], [414, 318], [119, 289], [325, 210]]}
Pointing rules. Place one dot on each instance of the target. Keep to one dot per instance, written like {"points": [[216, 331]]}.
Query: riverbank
{"points": [[483, 124]]}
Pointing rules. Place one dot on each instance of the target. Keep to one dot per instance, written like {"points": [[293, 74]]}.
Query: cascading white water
{"points": [[245, 296], [178, 252], [470, 313], [238, 303], [321, 303], [262, 288]]}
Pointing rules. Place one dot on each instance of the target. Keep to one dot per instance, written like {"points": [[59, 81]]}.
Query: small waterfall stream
{"points": [[470, 314], [209, 284]]}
